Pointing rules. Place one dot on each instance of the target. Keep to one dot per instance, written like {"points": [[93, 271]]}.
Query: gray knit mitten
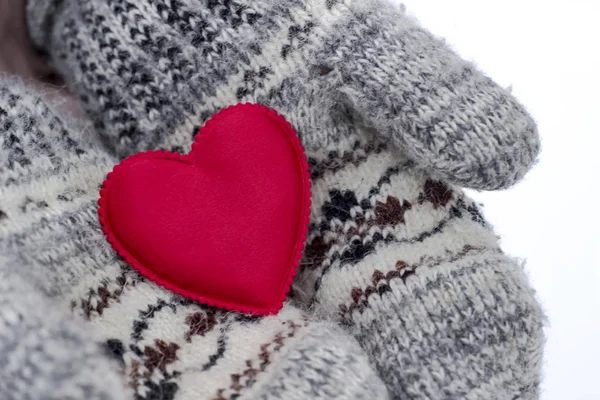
{"points": [[393, 124], [44, 352], [138, 340]]}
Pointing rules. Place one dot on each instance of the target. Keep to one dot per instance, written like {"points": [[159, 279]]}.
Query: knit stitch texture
{"points": [[166, 346], [393, 123]]}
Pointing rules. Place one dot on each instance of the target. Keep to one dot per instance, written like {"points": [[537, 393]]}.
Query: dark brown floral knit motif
{"points": [[200, 323], [98, 299], [391, 212], [436, 193]]}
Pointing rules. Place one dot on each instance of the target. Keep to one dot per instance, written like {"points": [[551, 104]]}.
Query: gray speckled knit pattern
{"points": [[44, 353], [393, 124]]}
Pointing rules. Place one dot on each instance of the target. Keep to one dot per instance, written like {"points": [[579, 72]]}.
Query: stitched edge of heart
{"points": [[164, 154]]}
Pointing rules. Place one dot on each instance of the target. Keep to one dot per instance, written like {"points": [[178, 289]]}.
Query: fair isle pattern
{"points": [[392, 122], [165, 346], [411, 267]]}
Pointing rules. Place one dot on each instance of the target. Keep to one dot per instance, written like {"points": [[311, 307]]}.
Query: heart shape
{"points": [[225, 224]]}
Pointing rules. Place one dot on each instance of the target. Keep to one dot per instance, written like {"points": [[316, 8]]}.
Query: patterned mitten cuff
{"points": [[146, 68], [165, 347]]}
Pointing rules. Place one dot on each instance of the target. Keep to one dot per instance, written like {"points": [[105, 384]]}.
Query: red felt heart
{"points": [[225, 224]]}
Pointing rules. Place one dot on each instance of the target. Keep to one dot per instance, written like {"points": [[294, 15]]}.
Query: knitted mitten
{"points": [[167, 347], [391, 120], [45, 354], [145, 68]]}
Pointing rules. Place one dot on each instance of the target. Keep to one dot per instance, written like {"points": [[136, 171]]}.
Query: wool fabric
{"points": [[403, 290]]}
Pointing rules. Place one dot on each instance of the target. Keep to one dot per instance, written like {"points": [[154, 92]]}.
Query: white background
{"points": [[549, 53]]}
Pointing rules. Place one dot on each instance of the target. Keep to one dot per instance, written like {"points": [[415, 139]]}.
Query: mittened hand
{"points": [[316, 62], [139, 340], [47, 243], [408, 264], [392, 123]]}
